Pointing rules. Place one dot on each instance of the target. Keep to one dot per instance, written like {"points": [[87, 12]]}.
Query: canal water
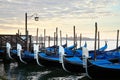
{"points": [[15, 71]]}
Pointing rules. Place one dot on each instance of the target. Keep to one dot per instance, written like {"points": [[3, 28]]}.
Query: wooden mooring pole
{"points": [[95, 40], [80, 39], [44, 37], [56, 36], [74, 36], [26, 32], [117, 39], [37, 36], [60, 37], [56, 41], [66, 39], [98, 40], [76, 41], [41, 41], [27, 41], [48, 41], [18, 31]]}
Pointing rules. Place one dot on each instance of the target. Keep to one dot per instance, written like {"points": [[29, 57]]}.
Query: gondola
{"points": [[71, 63], [75, 63], [51, 58], [98, 69], [104, 68], [26, 57]]}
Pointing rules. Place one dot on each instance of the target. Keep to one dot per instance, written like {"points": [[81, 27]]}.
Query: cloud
{"points": [[54, 8], [13, 11]]}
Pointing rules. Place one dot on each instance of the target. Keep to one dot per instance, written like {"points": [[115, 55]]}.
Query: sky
{"points": [[63, 14]]}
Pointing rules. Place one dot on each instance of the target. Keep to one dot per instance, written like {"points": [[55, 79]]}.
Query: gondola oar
{"points": [[8, 47], [36, 53], [19, 52]]}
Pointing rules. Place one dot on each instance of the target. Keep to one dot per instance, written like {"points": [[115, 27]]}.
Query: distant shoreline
{"points": [[71, 39]]}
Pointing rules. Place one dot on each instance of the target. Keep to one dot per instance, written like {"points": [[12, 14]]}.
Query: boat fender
{"points": [[19, 52], [8, 47]]}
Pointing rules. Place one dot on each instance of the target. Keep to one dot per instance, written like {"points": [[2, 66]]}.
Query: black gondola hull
{"points": [[25, 59], [99, 73], [49, 62], [73, 67]]}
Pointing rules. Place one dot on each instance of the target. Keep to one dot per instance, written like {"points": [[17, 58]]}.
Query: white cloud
{"points": [[55, 8], [13, 11]]}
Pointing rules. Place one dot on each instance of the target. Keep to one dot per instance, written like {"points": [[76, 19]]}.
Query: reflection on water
{"points": [[15, 71]]}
